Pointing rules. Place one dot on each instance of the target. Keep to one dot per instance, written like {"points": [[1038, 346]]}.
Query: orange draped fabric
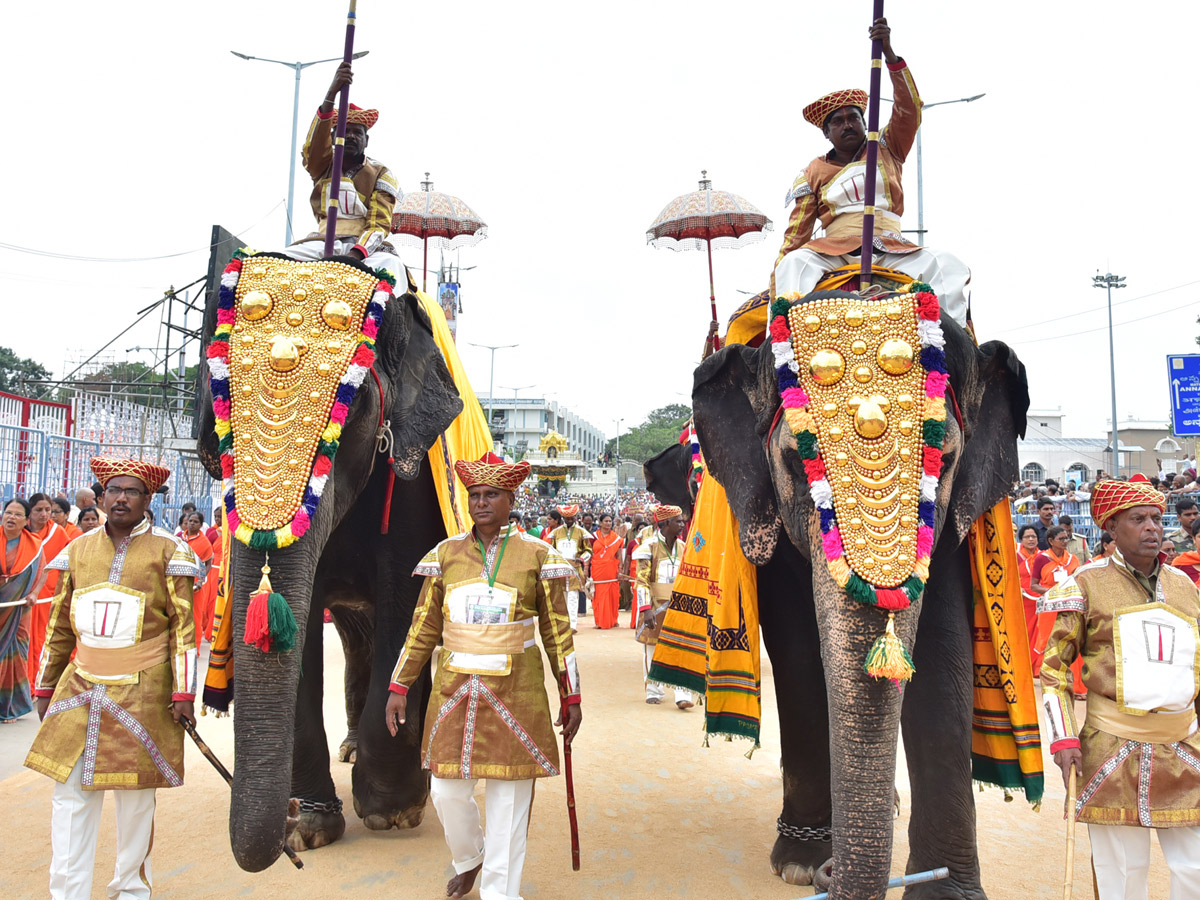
{"points": [[1029, 599], [52, 539], [1068, 563], [606, 566], [202, 597]]}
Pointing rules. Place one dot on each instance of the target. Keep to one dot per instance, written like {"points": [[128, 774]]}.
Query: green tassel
{"points": [[780, 307], [328, 448], [934, 433], [859, 590], [282, 623], [806, 445], [262, 540], [913, 588], [225, 444], [889, 658]]}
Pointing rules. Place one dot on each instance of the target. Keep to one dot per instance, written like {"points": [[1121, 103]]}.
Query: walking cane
{"points": [[570, 783], [1069, 878], [224, 772]]}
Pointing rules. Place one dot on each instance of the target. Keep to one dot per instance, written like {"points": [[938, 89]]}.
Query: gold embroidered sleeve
{"points": [[317, 154], [1066, 643], [423, 636], [901, 129], [555, 625], [642, 557], [379, 214], [182, 636]]}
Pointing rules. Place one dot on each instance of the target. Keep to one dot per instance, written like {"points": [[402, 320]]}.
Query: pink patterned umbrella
{"points": [[428, 214], [708, 217]]}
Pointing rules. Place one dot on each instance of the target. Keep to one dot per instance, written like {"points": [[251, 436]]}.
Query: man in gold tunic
{"points": [[110, 717], [488, 717], [657, 558], [574, 544], [1133, 619]]}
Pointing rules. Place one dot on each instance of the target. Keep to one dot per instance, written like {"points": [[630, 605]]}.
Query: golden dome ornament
{"points": [[255, 305], [827, 367], [284, 354], [337, 314], [895, 356]]}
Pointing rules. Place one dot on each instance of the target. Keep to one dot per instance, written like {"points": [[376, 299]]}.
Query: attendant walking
{"points": [[606, 564], [21, 569]]}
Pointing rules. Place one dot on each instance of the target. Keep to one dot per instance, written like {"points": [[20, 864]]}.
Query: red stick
{"points": [[339, 143], [570, 782], [712, 295], [868, 239]]}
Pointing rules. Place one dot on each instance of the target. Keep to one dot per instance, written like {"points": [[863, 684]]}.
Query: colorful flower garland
{"points": [[888, 658], [327, 447]]}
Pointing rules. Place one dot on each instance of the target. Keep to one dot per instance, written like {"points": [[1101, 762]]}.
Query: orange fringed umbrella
{"points": [[428, 214]]}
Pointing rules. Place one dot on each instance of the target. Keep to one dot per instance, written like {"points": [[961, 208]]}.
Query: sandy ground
{"points": [[659, 815]]}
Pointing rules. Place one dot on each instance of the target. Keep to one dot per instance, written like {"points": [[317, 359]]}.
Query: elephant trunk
{"points": [[864, 721], [264, 709]]}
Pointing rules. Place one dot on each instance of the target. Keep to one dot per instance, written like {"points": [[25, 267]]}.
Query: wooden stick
{"points": [[339, 143], [570, 782], [224, 772], [868, 234], [1069, 876]]}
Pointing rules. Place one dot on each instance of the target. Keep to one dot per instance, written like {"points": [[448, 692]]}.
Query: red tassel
{"points": [[258, 630], [387, 496]]}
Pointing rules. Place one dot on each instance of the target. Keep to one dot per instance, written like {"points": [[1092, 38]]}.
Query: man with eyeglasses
{"points": [[110, 716]]}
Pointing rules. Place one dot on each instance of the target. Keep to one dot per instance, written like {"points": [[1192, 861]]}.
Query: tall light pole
{"points": [[1108, 282], [619, 421], [920, 174], [492, 376], [298, 67]]}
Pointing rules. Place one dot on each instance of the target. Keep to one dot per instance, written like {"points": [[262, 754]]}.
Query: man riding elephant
{"points": [[832, 189]]}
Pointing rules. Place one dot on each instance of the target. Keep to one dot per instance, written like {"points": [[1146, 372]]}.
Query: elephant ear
{"points": [[733, 408], [426, 399], [994, 421]]}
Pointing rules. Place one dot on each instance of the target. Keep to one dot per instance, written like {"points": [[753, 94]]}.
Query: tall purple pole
{"points": [[868, 239], [339, 142]]}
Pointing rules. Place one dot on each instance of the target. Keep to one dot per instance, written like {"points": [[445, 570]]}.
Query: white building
{"points": [[520, 422]]}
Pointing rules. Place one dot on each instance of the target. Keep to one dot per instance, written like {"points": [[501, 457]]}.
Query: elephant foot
{"points": [[348, 750], [383, 820], [317, 824], [797, 861]]}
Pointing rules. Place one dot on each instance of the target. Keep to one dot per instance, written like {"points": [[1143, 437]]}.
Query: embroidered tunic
{"points": [[126, 612], [1138, 638], [573, 544], [488, 716], [656, 570]]}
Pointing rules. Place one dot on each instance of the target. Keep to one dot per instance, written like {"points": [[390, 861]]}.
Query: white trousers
{"points": [[573, 608], [1121, 857], [501, 848], [74, 828], [949, 276], [654, 690], [380, 259]]}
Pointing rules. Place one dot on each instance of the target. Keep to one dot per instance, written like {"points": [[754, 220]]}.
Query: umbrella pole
{"points": [[425, 264], [339, 143], [712, 294], [868, 234]]}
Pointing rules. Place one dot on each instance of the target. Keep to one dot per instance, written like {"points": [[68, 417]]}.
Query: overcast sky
{"points": [[568, 127]]}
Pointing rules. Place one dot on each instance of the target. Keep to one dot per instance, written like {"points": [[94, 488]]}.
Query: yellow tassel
{"points": [[889, 658]]}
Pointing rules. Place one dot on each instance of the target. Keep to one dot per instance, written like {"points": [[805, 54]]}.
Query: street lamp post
{"points": [[492, 376], [1108, 282], [920, 174], [619, 421], [298, 67]]}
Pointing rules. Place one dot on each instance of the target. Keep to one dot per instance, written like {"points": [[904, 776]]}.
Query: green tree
{"points": [[660, 430], [13, 369]]}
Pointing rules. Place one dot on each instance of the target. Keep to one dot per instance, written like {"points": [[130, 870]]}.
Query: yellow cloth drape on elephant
{"points": [[466, 438], [1006, 744], [709, 639]]}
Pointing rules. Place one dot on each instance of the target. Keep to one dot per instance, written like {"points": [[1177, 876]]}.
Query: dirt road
{"points": [[659, 815]]}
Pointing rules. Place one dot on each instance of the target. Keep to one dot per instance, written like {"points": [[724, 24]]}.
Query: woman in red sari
{"points": [[53, 538], [21, 567], [606, 562]]}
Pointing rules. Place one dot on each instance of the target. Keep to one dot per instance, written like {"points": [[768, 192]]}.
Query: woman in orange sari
{"points": [[202, 595], [53, 538], [606, 562], [21, 567], [1056, 565]]}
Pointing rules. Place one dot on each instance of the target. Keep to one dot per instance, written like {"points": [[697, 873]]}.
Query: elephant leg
{"points": [[936, 725], [789, 628], [321, 819], [354, 621]]}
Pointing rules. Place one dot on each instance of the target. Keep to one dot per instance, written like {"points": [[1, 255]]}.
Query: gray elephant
{"points": [[839, 727], [363, 577]]}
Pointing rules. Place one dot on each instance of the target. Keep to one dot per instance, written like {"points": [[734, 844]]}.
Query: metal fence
{"points": [[1082, 523]]}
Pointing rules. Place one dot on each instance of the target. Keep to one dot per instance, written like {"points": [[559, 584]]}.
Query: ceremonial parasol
{"points": [[708, 217], [427, 214]]}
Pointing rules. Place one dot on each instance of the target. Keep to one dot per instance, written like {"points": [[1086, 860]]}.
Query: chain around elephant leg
{"points": [[800, 851], [318, 823]]}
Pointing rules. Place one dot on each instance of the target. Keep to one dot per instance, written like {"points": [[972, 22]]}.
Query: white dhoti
{"points": [[383, 258], [949, 276], [573, 608], [1121, 858], [500, 849], [654, 690], [74, 828]]}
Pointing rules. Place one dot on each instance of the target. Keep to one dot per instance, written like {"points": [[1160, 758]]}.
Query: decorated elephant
{"points": [[318, 375], [828, 443]]}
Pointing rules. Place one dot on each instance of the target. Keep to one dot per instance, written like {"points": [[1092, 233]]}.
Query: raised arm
{"points": [[901, 129]]}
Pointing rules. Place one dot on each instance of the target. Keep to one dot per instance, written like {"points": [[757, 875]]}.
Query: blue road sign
{"points": [[1183, 375]]}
